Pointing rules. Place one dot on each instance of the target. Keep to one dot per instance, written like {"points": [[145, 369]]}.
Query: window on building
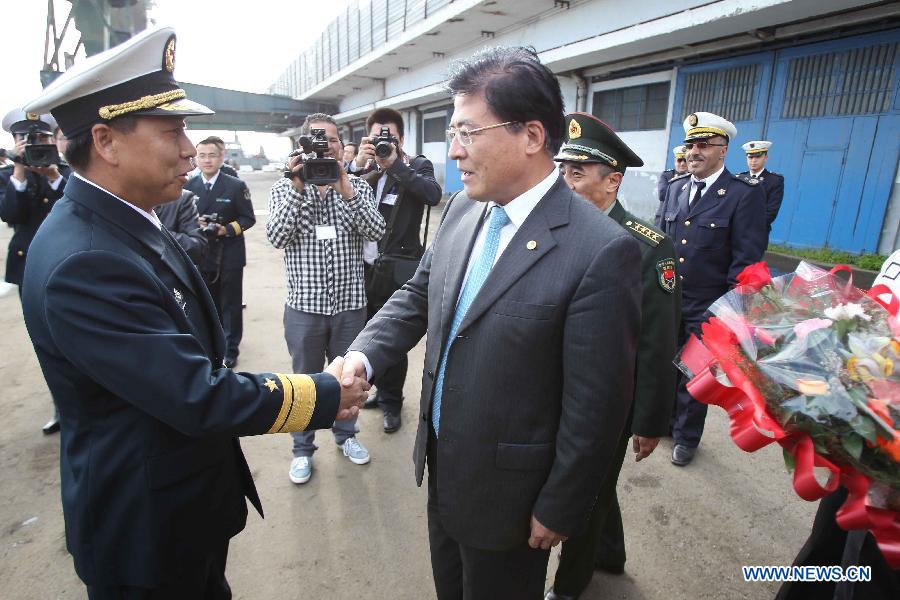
{"points": [[850, 82], [730, 93], [433, 129], [633, 108]]}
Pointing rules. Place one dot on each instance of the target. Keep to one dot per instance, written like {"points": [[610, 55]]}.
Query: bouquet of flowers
{"points": [[812, 363]]}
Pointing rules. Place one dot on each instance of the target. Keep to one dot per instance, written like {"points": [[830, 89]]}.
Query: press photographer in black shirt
{"points": [[404, 187]]}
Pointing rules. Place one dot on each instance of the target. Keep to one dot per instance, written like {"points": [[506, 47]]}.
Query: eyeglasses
{"points": [[700, 145], [211, 155], [465, 134]]}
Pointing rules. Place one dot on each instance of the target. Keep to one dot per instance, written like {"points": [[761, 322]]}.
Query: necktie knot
{"points": [[208, 186], [499, 219], [698, 190]]}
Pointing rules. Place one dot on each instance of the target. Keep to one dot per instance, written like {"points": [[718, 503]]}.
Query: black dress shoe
{"points": [[371, 401], [230, 363], [391, 421], [682, 455], [52, 426], [551, 595]]}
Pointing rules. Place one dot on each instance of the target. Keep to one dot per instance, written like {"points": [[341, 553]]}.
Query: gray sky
{"points": [[240, 45]]}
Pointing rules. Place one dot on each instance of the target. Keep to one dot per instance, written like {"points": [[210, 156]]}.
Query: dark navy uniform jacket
{"points": [[127, 336], [230, 199], [773, 185], [662, 182], [25, 211], [715, 239]]}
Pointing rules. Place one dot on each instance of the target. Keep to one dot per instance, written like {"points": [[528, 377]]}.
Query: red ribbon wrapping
{"points": [[753, 428]]}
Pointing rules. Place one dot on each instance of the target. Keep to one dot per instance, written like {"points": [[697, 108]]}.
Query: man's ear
{"points": [[106, 143], [536, 137]]}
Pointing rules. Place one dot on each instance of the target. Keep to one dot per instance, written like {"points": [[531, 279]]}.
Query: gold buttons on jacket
{"points": [[681, 260], [684, 241], [712, 225], [46, 201], [20, 253], [687, 223]]}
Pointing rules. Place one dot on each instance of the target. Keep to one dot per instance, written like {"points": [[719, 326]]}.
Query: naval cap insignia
{"points": [[169, 55], [692, 120]]}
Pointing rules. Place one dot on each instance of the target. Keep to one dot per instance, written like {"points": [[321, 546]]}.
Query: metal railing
{"points": [[357, 31]]}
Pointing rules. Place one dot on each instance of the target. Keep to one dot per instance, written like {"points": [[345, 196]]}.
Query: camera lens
{"points": [[383, 149]]}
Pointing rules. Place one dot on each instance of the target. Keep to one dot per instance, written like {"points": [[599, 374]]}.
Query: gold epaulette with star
{"points": [[677, 177], [298, 403], [747, 178], [643, 232]]}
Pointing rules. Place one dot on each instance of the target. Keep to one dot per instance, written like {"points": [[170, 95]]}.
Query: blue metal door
{"points": [[835, 132]]}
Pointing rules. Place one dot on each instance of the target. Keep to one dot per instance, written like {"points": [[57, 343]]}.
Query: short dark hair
{"points": [[354, 144], [78, 148], [516, 87], [317, 118], [383, 116], [215, 141]]}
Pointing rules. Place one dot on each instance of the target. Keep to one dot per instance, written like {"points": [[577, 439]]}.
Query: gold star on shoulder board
{"points": [[270, 383]]}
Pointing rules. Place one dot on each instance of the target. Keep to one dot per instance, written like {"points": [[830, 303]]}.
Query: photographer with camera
{"points": [[29, 187], [320, 217], [403, 187], [226, 212]]}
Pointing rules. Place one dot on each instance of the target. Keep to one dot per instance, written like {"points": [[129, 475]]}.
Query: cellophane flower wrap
{"points": [[810, 361]]}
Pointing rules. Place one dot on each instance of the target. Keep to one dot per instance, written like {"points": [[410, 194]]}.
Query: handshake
{"points": [[351, 374]]}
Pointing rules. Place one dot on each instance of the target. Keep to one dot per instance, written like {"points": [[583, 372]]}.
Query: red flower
{"points": [[754, 277]]}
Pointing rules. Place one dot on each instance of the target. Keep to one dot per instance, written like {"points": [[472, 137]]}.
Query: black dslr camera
{"points": [[37, 154], [317, 169], [384, 143], [212, 220]]}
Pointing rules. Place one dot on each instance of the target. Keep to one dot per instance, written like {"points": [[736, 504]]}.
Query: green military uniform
{"points": [[603, 544]]}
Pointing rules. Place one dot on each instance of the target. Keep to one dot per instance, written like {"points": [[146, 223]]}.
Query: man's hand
{"points": [[543, 538], [220, 229], [643, 446], [353, 394], [354, 368], [343, 186], [51, 172], [385, 163], [295, 164], [366, 152], [19, 170]]}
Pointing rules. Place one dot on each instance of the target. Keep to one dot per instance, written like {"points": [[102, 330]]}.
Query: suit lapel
{"points": [[517, 258], [684, 192], [460, 248]]}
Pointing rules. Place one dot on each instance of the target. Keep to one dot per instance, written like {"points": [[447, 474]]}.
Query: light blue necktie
{"points": [[476, 279]]}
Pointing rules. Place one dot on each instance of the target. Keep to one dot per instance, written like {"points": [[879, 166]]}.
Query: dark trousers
{"points": [[827, 545], [203, 579], [465, 573], [689, 416], [226, 288], [604, 541], [390, 383]]}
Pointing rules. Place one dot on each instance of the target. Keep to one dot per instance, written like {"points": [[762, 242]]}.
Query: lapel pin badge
{"points": [[531, 245], [721, 191]]}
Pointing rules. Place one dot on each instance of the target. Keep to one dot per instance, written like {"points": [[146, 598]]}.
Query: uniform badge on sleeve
{"points": [[665, 270]]}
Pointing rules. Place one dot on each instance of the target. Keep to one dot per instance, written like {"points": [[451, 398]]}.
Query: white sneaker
{"points": [[301, 469], [355, 451]]}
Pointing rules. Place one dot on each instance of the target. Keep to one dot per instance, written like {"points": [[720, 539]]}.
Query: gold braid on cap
{"points": [[712, 130], [112, 111]]}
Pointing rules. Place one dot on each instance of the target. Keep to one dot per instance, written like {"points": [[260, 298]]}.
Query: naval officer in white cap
{"points": [[154, 483], [772, 183], [718, 223]]}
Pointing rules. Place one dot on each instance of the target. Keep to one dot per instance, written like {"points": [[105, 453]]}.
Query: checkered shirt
{"points": [[324, 277]]}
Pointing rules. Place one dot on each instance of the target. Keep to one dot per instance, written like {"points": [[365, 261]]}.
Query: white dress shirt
{"points": [[150, 216], [709, 181], [212, 181]]}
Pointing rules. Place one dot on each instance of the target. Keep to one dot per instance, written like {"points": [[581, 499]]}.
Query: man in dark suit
{"points": [[531, 301], [27, 193], [666, 176], [181, 219], [771, 183], [228, 198], [154, 483], [718, 224], [594, 160], [403, 187]]}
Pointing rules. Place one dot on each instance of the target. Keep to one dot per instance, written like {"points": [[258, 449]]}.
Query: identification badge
{"points": [[389, 199], [224, 200], [326, 232]]}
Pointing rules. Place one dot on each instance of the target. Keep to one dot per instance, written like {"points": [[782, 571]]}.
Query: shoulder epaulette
{"points": [[677, 177], [745, 177], [643, 232]]}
